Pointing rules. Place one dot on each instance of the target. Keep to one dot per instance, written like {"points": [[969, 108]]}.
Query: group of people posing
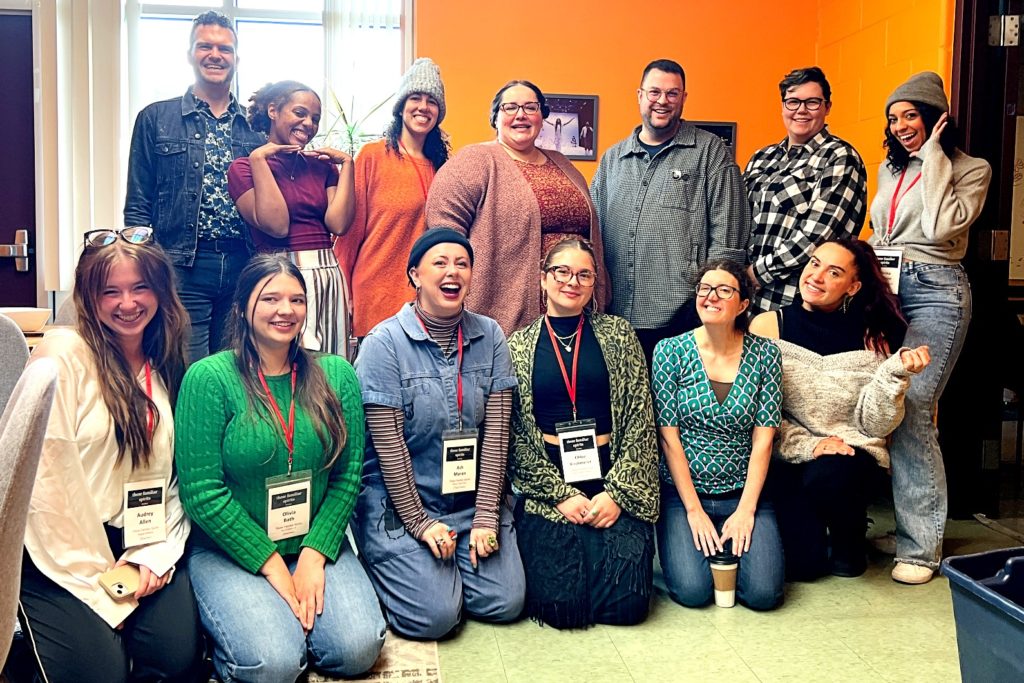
{"points": [[550, 381]]}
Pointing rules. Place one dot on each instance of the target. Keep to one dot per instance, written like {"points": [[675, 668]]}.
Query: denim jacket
{"points": [[400, 367], [165, 171]]}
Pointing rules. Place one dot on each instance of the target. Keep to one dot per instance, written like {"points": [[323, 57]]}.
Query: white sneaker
{"points": [[912, 574]]}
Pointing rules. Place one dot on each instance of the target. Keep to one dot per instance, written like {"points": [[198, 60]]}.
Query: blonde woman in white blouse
{"points": [[110, 439]]}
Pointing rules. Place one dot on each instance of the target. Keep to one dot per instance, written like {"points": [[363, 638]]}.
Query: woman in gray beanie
{"points": [[929, 194], [392, 177]]}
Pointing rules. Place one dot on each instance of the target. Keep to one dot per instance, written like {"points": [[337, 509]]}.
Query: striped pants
{"points": [[326, 301]]}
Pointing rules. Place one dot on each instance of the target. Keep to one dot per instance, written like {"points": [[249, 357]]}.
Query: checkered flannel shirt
{"points": [[800, 197], [662, 218]]}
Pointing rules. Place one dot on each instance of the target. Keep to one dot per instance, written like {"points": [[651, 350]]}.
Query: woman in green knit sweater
{"points": [[269, 457]]}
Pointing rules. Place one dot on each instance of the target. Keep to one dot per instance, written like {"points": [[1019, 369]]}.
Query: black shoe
{"points": [[849, 568]]}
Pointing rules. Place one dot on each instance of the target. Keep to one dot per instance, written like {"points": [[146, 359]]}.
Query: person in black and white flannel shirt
{"points": [[806, 189]]}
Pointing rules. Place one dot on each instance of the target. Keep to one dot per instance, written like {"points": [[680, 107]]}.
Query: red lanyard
{"points": [[289, 429], [150, 418], [416, 167], [569, 386], [458, 380], [897, 197]]}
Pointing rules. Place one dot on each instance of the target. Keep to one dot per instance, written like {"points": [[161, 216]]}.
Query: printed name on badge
{"points": [[145, 517]]}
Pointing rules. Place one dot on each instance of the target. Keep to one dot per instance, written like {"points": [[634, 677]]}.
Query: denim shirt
{"points": [[399, 366], [165, 171]]}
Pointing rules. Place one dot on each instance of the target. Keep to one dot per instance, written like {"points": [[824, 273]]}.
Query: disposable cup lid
{"points": [[723, 558]]}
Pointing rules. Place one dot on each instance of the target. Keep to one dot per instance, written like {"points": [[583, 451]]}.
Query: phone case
{"points": [[120, 582]]}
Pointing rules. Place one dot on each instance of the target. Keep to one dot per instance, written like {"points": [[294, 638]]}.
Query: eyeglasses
{"points": [[512, 109], [136, 234], [654, 94], [723, 292], [811, 103], [564, 275]]}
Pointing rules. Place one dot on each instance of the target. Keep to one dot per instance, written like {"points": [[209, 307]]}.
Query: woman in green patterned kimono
{"points": [[584, 454]]}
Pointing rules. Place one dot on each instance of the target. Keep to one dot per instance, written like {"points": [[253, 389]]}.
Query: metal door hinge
{"points": [[1004, 30], [19, 251]]}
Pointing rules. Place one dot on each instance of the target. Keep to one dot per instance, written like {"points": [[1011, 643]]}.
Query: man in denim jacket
{"points": [[177, 181]]}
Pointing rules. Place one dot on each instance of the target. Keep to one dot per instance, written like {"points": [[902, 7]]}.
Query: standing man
{"points": [[177, 181], [669, 198], [805, 190]]}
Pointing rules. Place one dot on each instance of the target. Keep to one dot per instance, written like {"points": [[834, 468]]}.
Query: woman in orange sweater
{"points": [[392, 177]]}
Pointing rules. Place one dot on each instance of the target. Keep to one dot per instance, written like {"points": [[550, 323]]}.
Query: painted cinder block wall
{"points": [[734, 54]]}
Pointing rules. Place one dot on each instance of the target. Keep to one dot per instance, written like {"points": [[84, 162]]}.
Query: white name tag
{"points": [[891, 260], [458, 460], [288, 505], [145, 519], [577, 444]]}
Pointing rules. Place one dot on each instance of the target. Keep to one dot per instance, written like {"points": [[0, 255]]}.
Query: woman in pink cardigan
{"points": [[514, 201]]}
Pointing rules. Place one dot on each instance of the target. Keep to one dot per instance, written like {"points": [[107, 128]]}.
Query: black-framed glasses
{"points": [[724, 292], [104, 237], [654, 94], [512, 109], [564, 275], [810, 104]]}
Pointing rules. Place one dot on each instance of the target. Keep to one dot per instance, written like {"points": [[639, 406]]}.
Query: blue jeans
{"points": [[206, 290], [761, 572], [256, 636], [936, 302]]}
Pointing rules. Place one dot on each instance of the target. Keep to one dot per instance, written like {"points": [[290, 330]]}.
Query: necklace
{"points": [[565, 342], [295, 163]]}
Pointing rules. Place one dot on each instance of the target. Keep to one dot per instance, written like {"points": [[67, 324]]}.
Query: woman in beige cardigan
{"points": [[514, 201]]}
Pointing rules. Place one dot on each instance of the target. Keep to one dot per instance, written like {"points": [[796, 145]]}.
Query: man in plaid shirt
{"points": [[669, 197], [804, 190]]}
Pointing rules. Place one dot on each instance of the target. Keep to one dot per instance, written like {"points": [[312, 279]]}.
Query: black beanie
{"points": [[431, 238]]}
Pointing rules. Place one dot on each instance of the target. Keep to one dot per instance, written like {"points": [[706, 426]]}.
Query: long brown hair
{"points": [[312, 392], [163, 341]]}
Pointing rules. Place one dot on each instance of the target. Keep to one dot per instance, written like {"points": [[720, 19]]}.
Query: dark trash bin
{"points": [[988, 607]]}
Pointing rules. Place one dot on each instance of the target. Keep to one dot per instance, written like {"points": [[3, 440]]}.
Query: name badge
{"points": [[288, 505], [577, 444], [145, 519], [891, 260], [458, 460]]}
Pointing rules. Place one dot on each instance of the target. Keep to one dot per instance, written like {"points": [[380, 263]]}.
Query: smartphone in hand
{"points": [[121, 582]]}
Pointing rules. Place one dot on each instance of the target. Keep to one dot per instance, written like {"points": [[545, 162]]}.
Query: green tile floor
{"points": [[863, 629]]}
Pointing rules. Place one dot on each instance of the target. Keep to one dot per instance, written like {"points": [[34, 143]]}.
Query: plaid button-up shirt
{"points": [[663, 217], [800, 196]]}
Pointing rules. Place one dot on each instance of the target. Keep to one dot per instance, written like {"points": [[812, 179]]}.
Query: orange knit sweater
{"points": [[390, 195]]}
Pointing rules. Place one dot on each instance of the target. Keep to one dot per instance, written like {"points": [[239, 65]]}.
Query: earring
{"points": [[846, 303]]}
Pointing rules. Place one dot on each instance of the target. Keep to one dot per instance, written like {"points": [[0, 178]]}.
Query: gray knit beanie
{"points": [[423, 76], [925, 87]]}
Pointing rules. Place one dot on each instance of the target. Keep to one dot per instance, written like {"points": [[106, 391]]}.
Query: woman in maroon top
{"points": [[295, 200]]}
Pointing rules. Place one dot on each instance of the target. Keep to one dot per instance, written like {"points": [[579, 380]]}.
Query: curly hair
{"points": [[312, 392], [436, 147], [743, 282], [875, 302], [276, 94], [897, 156], [163, 341]]}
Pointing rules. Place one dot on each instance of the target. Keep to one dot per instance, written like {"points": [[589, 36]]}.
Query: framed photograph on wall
{"points": [[723, 129], [571, 128]]}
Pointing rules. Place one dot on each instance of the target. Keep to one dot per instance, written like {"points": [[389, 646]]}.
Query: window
{"points": [[352, 52]]}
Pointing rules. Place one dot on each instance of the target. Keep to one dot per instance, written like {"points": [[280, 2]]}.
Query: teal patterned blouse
{"points": [[717, 437]]}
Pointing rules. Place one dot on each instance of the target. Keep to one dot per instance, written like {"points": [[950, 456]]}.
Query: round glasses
{"points": [[810, 104], [136, 234], [564, 275], [723, 292], [654, 94], [512, 109]]}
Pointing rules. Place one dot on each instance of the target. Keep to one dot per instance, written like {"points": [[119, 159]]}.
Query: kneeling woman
{"points": [[842, 395], [718, 397], [430, 522], [110, 436], [269, 461], [584, 454]]}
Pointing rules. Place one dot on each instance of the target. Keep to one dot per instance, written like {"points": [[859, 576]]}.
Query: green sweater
{"points": [[225, 453]]}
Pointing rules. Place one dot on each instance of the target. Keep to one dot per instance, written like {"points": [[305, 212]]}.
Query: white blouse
{"points": [[79, 488]]}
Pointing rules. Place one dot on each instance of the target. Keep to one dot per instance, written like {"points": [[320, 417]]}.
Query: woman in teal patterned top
{"points": [[718, 399], [269, 455]]}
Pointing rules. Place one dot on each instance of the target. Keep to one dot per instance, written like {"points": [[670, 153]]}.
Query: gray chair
{"points": [[14, 351], [66, 315], [22, 427]]}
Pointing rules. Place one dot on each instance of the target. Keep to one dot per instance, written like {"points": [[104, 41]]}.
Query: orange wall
{"points": [[867, 48], [734, 55], [733, 59]]}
